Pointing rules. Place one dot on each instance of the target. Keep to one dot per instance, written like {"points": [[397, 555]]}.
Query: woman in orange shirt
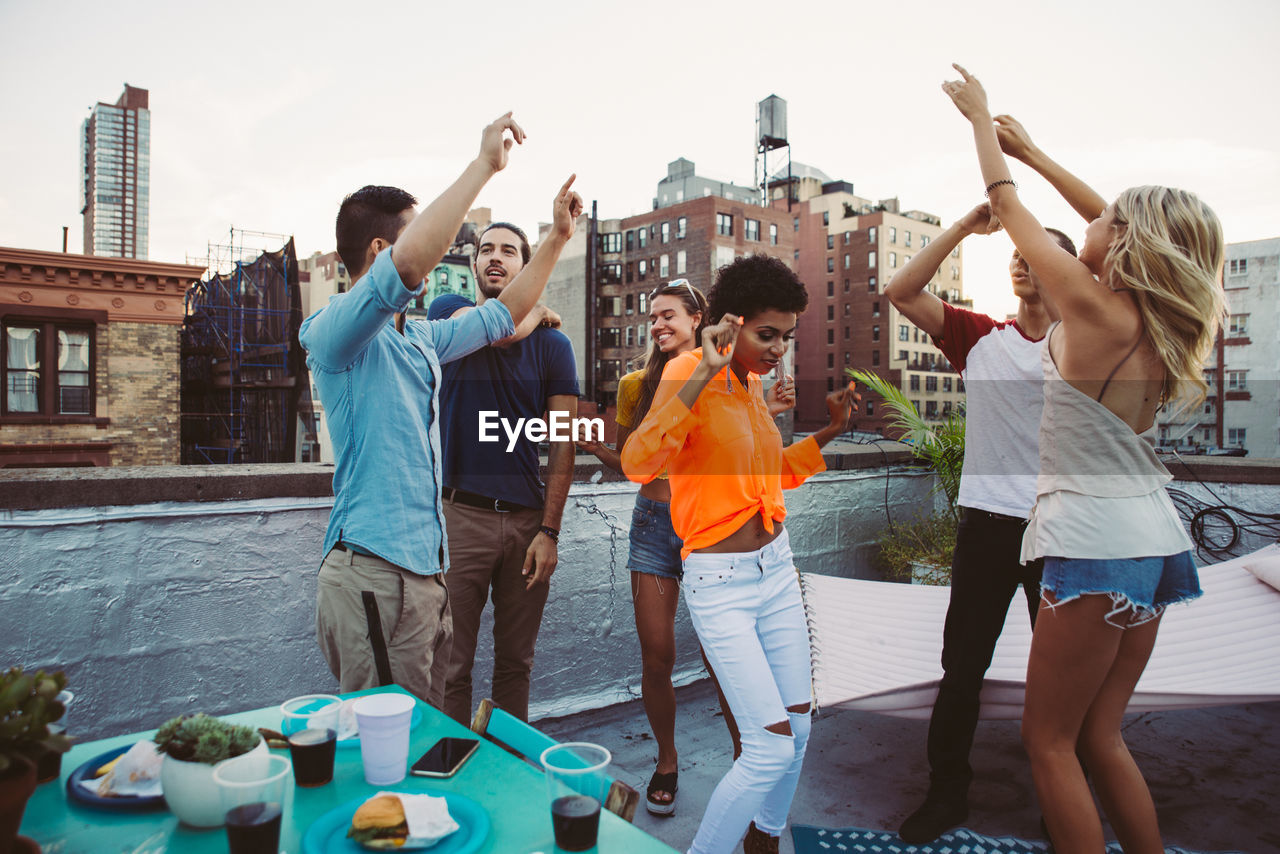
{"points": [[710, 429]]}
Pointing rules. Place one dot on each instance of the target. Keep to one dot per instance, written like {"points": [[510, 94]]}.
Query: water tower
{"points": [[771, 136]]}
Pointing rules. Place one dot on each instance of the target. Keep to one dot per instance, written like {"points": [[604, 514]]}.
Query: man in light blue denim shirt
{"points": [[381, 607]]}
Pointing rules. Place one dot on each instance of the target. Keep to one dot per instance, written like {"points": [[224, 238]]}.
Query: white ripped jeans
{"points": [[747, 610]]}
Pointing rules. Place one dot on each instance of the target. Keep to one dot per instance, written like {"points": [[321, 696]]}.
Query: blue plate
{"points": [[286, 729], [82, 795], [328, 833]]}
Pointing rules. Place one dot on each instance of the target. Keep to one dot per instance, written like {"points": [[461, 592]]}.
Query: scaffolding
{"points": [[243, 369]]}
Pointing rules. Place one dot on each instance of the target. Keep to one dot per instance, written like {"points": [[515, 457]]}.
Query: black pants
{"points": [[985, 573]]}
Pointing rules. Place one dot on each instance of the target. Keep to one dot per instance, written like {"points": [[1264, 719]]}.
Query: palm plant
{"points": [[929, 540]]}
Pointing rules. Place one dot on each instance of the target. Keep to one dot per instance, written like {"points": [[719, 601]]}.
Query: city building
{"points": [[89, 350], [1242, 411], [846, 250], [115, 171]]}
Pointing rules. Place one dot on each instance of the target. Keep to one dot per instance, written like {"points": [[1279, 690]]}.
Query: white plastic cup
{"points": [[384, 721]]}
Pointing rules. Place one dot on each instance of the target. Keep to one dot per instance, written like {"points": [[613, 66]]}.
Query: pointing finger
{"points": [[564, 188], [965, 74]]}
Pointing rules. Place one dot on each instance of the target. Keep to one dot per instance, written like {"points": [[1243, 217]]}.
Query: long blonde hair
{"points": [[1169, 253]]}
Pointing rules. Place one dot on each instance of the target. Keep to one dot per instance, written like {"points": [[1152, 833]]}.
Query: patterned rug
{"points": [[855, 840]]}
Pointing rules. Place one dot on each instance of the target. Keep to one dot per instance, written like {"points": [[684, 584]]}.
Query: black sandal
{"points": [[662, 783]]}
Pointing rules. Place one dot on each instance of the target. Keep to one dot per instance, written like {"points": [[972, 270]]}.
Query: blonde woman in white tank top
{"points": [[1139, 308]]}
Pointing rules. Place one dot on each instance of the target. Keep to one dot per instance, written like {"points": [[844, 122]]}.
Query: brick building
{"points": [[90, 357], [847, 248]]}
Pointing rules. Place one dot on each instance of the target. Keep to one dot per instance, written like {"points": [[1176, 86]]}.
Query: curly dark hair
{"points": [[753, 284]]}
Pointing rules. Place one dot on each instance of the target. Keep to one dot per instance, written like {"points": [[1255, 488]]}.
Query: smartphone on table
{"points": [[445, 757]]}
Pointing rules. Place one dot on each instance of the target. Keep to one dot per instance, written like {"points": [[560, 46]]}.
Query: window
{"points": [[681, 262], [848, 236], [906, 238], [751, 229], [665, 231], [846, 333], [875, 333], [931, 409], [631, 240], [826, 217], [1237, 380], [1235, 436], [871, 285], [902, 355], [875, 308], [773, 233], [871, 259], [831, 289], [644, 303], [831, 383], [664, 266], [831, 241], [724, 224], [871, 234], [914, 382], [682, 227], [893, 234], [611, 243], [631, 304], [831, 265], [871, 408], [831, 336], [48, 367], [610, 337], [795, 223], [831, 312], [641, 234], [846, 286], [930, 383], [946, 383], [955, 272], [846, 260], [904, 333], [630, 337], [831, 360], [1237, 266], [642, 268], [955, 253], [1238, 325], [610, 274], [875, 361], [847, 309], [893, 259]]}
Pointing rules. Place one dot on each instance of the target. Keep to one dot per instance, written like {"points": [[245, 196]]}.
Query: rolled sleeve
{"points": [[335, 336], [801, 461], [462, 334]]}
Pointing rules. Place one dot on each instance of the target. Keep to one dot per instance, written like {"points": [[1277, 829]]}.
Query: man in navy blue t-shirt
{"points": [[503, 522]]}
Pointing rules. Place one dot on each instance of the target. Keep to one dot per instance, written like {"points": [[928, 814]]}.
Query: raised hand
{"points": [[718, 341], [840, 405], [980, 220], [567, 208], [1014, 139], [550, 319], [781, 396], [968, 96], [494, 142]]}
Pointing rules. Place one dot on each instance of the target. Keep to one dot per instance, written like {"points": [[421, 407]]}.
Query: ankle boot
{"points": [[758, 842]]}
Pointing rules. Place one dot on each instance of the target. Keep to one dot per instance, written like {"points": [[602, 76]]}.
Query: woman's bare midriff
{"points": [[657, 490], [748, 538]]}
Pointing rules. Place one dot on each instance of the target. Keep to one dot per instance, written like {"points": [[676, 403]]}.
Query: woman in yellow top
{"points": [[677, 315], [710, 429]]}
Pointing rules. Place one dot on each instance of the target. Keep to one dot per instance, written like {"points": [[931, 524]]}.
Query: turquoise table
{"points": [[511, 791]]}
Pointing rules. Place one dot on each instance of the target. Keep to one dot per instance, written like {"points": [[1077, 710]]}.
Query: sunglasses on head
{"points": [[674, 283]]}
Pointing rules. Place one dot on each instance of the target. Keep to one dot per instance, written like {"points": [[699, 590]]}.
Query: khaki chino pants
{"points": [[413, 612], [486, 553]]}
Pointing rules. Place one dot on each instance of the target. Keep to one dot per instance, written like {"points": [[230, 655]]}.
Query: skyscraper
{"points": [[115, 170]]}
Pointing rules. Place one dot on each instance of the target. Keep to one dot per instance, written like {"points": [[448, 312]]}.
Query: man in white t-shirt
{"points": [[999, 362]]}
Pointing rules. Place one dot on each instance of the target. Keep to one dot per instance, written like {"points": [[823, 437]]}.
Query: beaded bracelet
{"points": [[995, 184], [550, 532]]}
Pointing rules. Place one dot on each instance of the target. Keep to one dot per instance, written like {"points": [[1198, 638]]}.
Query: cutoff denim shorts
{"points": [[655, 548], [1140, 588]]}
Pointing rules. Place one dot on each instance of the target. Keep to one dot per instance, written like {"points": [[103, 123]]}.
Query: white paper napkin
{"points": [[136, 775], [427, 816]]}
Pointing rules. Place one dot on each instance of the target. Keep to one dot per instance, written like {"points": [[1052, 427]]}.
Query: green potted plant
{"points": [[28, 704], [921, 549], [192, 745]]}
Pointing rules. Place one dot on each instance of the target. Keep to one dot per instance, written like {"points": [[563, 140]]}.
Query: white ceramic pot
{"points": [[190, 792]]}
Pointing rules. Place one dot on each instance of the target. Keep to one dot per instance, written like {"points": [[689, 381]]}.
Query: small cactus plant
{"points": [[28, 704], [200, 738]]}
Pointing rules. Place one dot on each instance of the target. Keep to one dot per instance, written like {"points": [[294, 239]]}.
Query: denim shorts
{"points": [[1140, 588], [655, 548]]}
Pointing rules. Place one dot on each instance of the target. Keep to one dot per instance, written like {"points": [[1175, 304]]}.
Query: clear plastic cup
{"points": [[253, 793], [383, 720], [577, 784], [310, 711]]}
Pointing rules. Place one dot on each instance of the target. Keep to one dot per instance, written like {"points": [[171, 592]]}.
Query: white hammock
{"points": [[877, 646]]}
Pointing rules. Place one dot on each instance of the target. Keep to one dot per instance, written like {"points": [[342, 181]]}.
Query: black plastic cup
{"points": [[254, 828], [313, 751]]}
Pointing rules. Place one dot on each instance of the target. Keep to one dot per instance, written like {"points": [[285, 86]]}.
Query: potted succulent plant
{"points": [[28, 704], [920, 550], [192, 745]]}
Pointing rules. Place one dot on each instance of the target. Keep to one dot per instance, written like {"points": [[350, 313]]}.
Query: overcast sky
{"points": [[263, 115]]}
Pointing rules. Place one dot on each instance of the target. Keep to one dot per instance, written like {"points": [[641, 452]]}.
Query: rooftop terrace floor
{"points": [[1214, 773]]}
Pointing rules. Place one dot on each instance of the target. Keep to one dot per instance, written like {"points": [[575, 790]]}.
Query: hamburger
{"points": [[379, 823]]}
